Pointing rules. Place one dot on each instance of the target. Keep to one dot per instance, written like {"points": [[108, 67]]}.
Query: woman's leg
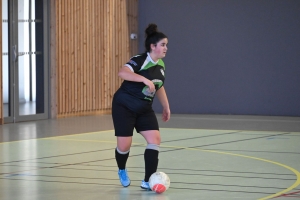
{"points": [[121, 155], [124, 121], [122, 151], [151, 153]]}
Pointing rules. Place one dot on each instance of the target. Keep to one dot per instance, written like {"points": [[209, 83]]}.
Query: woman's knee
{"points": [[124, 143], [152, 136]]}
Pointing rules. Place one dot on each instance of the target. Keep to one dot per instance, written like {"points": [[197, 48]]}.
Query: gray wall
{"points": [[229, 56]]}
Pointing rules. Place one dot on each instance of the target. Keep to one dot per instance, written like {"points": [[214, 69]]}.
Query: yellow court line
{"points": [[229, 130], [80, 140], [95, 132], [56, 136], [297, 173], [160, 129]]}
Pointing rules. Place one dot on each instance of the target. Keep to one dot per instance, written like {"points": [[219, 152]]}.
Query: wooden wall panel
{"points": [[92, 43]]}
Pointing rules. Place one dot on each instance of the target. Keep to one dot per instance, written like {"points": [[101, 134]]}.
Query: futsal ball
{"points": [[159, 182]]}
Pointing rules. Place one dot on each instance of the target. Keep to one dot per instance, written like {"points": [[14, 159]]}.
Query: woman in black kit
{"points": [[144, 76]]}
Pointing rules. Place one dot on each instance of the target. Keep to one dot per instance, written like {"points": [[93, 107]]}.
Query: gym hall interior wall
{"points": [[229, 57]]}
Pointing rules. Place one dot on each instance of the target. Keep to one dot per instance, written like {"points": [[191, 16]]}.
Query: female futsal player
{"points": [[144, 77]]}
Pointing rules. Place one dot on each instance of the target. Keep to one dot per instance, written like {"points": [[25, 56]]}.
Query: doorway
{"points": [[25, 60]]}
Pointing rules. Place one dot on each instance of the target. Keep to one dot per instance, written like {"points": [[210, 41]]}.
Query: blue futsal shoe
{"points": [[145, 185], [123, 176]]}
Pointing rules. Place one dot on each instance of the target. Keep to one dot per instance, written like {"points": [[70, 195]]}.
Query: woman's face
{"points": [[160, 49]]}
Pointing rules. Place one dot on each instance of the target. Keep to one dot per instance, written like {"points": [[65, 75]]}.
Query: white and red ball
{"points": [[159, 182]]}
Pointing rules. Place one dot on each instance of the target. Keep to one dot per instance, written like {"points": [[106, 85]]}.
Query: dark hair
{"points": [[153, 36]]}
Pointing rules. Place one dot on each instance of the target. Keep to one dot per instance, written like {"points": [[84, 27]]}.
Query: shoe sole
{"points": [[124, 185], [145, 188]]}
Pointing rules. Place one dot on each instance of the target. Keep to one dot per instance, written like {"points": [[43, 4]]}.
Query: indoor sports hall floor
{"points": [[208, 157]]}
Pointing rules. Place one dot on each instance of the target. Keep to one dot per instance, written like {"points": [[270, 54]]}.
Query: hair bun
{"points": [[152, 28]]}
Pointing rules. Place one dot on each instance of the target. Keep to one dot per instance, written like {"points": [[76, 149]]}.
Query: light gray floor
{"points": [[206, 157]]}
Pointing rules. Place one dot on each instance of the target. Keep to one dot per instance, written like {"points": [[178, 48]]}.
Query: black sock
{"points": [[151, 162], [121, 159]]}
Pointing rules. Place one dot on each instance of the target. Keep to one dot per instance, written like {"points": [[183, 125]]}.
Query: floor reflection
{"points": [[27, 108]]}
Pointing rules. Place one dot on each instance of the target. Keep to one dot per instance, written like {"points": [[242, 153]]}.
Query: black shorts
{"points": [[129, 112]]}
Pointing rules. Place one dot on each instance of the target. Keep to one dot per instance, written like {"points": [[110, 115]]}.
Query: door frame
{"points": [[14, 66]]}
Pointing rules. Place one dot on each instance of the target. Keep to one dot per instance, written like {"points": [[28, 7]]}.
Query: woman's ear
{"points": [[152, 46]]}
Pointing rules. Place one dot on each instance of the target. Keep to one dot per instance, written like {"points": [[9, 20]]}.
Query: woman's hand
{"points": [[166, 114], [150, 85], [126, 74], [162, 97]]}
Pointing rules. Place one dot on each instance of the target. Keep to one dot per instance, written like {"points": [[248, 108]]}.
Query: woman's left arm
{"points": [[162, 97]]}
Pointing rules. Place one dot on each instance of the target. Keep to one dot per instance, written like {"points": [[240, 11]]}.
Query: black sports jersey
{"points": [[144, 65]]}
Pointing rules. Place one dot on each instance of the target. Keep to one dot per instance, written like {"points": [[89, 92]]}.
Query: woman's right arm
{"points": [[126, 74]]}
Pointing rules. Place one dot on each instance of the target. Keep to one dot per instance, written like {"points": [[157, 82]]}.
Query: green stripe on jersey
{"points": [[147, 64]]}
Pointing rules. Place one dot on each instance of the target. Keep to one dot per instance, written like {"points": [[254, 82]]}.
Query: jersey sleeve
{"points": [[134, 63]]}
